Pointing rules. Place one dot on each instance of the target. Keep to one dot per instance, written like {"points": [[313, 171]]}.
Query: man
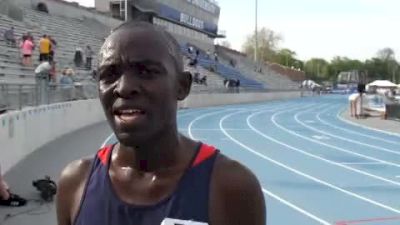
{"points": [[153, 175], [9, 37], [44, 48], [89, 56], [7, 198], [42, 77]]}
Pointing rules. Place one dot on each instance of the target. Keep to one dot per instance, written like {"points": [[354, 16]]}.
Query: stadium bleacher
{"points": [[71, 33], [226, 72]]}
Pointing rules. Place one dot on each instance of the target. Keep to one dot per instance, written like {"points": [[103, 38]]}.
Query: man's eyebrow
{"points": [[147, 63]]}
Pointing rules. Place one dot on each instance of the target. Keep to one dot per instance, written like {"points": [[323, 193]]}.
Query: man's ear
{"points": [[184, 85]]}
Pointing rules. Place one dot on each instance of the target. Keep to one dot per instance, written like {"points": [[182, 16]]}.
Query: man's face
{"points": [[138, 85]]}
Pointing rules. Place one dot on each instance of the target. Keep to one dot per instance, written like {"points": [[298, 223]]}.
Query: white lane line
{"points": [[320, 137], [296, 117], [212, 129], [365, 127], [297, 208], [304, 174], [360, 163], [352, 131], [199, 118], [328, 145], [190, 129], [289, 147], [283, 201]]}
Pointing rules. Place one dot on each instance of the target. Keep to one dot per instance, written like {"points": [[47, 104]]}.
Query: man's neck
{"points": [[161, 154]]}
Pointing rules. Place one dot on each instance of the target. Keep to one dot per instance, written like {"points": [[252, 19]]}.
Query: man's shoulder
{"points": [[236, 194], [238, 175], [75, 172]]}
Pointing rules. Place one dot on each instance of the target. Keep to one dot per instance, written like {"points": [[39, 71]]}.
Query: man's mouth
{"points": [[129, 116]]}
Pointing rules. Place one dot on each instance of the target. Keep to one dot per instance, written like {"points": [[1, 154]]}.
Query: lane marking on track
{"points": [[292, 148], [351, 130], [361, 163], [274, 121], [365, 221], [321, 137], [363, 126], [379, 148], [317, 180], [269, 193]]}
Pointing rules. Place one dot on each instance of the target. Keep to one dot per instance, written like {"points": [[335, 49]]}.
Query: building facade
{"points": [[190, 21]]}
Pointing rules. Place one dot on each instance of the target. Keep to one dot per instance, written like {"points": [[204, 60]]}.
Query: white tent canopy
{"points": [[309, 84], [382, 84]]}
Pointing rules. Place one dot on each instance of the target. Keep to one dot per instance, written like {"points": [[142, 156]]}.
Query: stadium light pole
{"points": [[126, 10], [256, 33]]}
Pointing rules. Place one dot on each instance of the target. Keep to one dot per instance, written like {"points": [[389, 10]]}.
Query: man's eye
{"points": [[147, 72], [109, 74]]}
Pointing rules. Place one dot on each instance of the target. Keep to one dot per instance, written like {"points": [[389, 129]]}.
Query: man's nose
{"points": [[128, 85]]}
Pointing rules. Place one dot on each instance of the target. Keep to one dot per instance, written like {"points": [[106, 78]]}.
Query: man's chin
{"points": [[131, 140]]}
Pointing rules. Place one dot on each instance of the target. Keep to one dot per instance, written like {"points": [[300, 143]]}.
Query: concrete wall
{"points": [[203, 100], [22, 132], [102, 5]]}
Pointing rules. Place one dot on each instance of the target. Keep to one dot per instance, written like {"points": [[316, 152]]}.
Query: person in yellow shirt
{"points": [[44, 48]]}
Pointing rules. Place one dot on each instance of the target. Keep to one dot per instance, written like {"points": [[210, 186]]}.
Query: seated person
{"points": [[203, 80], [193, 62], [9, 37], [196, 78], [7, 198]]}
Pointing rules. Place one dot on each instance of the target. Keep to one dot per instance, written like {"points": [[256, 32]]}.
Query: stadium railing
{"points": [[17, 96]]}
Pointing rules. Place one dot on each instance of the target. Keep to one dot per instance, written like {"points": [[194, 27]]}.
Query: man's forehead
{"points": [[135, 44]]}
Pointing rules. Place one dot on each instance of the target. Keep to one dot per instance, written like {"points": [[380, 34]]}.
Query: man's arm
{"points": [[70, 190], [236, 195]]}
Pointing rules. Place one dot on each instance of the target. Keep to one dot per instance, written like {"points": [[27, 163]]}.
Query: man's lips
{"points": [[128, 116]]}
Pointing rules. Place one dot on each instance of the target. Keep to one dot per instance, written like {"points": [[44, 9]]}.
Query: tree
{"points": [[286, 57], [387, 56], [268, 42], [226, 44], [317, 69]]}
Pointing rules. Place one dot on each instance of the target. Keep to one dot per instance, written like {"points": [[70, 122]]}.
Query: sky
{"points": [[315, 28]]}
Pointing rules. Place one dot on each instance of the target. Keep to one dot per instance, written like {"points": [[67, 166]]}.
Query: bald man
{"points": [[153, 175]]}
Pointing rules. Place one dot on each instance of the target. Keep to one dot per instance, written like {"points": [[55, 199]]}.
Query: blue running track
{"points": [[314, 167]]}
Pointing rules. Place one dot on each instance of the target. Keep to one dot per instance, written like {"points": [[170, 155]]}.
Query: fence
{"points": [[17, 96]]}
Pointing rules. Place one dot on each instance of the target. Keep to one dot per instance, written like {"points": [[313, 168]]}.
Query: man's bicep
{"points": [[63, 203], [236, 197], [70, 189]]}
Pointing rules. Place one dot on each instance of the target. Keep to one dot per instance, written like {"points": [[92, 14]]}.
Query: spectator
{"points": [[353, 104], [66, 78], [27, 47], [42, 71], [67, 84], [89, 56], [29, 35], [7, 198], [44, 48], [9, 37], [208, 54], [53, 72], [190, 49], [215, 57], [53, 45], [193, 62], [78, 58]]}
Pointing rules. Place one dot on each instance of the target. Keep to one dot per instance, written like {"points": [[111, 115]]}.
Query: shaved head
{"points": [[169, 41]]}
